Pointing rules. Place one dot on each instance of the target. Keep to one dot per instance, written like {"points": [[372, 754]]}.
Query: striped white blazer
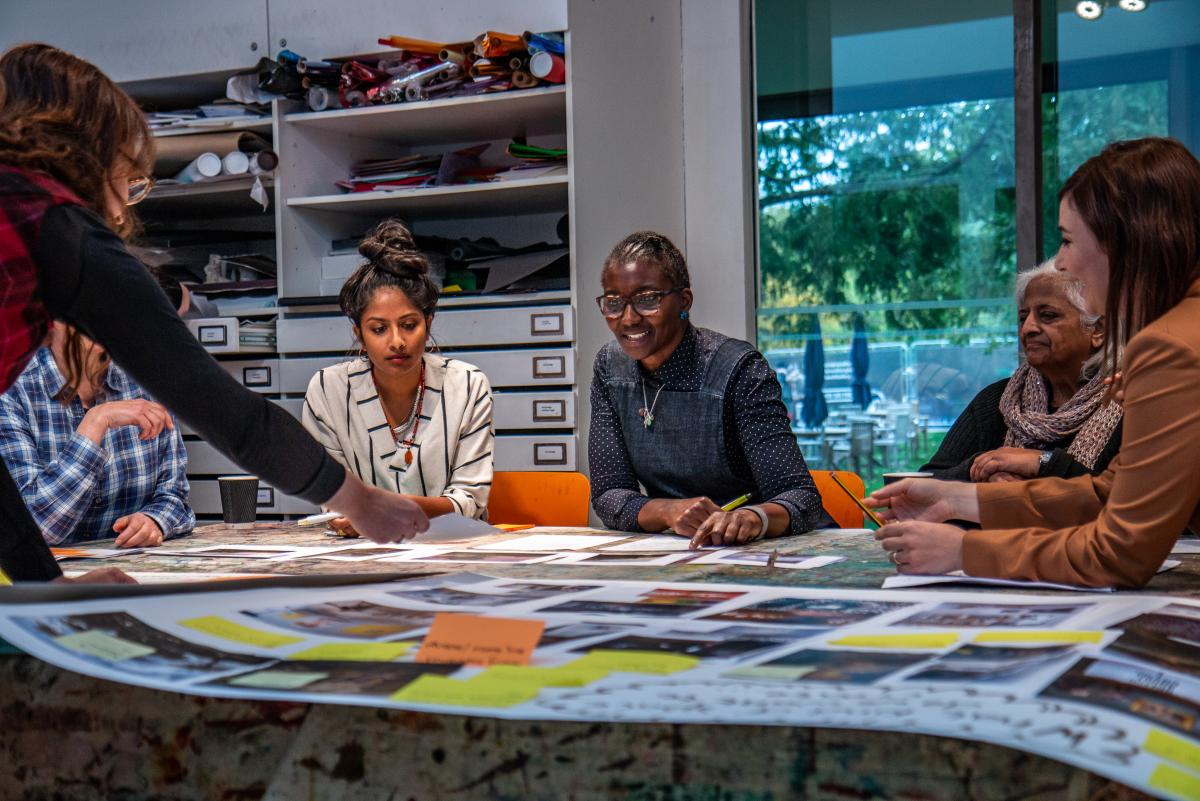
{"points": [[452, 455]]}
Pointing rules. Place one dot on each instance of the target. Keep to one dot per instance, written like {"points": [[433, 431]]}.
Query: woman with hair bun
{"points": [[397, 416]]}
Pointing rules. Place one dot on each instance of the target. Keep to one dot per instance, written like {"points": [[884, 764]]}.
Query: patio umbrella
{"points": [[813, 409], [860, 361]]}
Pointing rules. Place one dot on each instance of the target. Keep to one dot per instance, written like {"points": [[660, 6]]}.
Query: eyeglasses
{"points": [[648, 302], [139, 189]]}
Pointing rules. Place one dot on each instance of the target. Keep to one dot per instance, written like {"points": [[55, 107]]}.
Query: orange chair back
{"points": [[543, 499], [836, 502]]}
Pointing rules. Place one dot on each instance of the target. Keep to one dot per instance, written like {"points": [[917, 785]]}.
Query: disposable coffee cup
{"points": [[891, 478], [239, 498]]}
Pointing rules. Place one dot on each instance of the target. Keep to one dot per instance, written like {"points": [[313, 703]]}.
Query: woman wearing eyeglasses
{"points": [[693, 416], [73, 150]]}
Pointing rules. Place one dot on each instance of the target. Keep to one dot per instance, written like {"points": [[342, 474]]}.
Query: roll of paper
{"points": [[548, 67], [206, 165], [523, 80], [235, 163], [263, 161]]}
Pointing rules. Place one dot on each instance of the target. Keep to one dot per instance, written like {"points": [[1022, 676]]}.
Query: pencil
{"points": [[874, 518], [735, 503], [316, 520]]}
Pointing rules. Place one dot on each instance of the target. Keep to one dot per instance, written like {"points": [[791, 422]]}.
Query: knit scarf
{"points": [[1024, 406]]}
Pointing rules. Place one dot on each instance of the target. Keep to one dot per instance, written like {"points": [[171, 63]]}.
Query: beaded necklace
{"points": [[413, 423]]}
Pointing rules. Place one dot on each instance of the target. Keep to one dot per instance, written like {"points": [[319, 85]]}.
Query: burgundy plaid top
{"points": [[23, 317]]}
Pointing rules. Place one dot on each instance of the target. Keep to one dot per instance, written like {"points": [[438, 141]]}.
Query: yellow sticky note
{"points": [[473, 692], [1168, 746], [635, 662], [355, 651], [561, 676], [1041, 635], [103, 646], [933, 639], [1171, 779], [236, 632], [276, 679]]}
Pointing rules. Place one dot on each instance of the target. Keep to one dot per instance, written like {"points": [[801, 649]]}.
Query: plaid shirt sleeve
{"points": [[58, 493], [169, 507]]}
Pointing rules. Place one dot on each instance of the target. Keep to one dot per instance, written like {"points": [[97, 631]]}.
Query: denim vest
{"points": [[683, 454]]}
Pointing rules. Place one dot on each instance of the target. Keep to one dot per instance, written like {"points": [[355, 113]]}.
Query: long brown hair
{"points": [[62, 116], [1141, 200]]}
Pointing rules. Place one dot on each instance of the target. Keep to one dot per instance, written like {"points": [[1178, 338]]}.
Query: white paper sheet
{"points": [[455, 528], [549, 542], [661, 543], [1186, 546], [959, 577], [761, 558], [67, 552]]}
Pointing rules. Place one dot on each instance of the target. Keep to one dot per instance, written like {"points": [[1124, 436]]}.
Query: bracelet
{"points": [[762, 520]]}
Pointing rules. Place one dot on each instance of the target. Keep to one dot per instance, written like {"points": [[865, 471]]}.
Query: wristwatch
{"points": [[1044, 461]]}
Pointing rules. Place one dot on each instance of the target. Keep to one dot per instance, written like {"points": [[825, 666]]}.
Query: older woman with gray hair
{"points": [[1053, 416]]}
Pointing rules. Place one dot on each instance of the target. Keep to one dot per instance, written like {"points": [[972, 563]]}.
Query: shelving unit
{"points": [[532, 195]]}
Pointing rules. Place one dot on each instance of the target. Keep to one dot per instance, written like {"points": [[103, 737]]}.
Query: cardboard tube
{"points": [[263, 161], [173, 153], [523, 80], [235, 163], [206, 165], [453, 56], [548, 67]]}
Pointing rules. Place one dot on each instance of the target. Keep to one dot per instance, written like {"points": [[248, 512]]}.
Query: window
{"points": [[887, 186]]}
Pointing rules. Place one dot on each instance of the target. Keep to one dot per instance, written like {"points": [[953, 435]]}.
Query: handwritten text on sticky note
{"points": [[476, 640]]}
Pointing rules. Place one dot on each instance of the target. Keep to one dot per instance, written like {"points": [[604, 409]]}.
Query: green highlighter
{"points": [[735, 503]]}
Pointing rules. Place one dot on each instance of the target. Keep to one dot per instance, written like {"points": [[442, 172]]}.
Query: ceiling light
{"points": [[1089, 9], [1132, 5]]}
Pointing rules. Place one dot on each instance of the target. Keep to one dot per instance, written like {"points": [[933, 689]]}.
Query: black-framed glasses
{"points": [[648, 302], [139, 189]]}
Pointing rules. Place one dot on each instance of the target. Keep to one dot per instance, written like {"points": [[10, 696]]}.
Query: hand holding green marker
{"points": [[735, 503]]}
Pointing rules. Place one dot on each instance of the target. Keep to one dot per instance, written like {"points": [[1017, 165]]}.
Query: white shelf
{"points": [[219, 197], [257, 124], [528, 196], [528, 112]]}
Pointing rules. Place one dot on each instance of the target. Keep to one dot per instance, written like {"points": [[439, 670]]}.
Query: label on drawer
{"points": [[549, 411], [266, 496], [549, 453], [214, 335], [256, 376], [546, 324], [549, 367]]}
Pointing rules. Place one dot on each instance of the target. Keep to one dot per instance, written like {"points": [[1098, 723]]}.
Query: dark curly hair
{"points": [[650, 247], [393, 260]]}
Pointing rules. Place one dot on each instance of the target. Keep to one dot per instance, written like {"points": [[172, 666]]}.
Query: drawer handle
{"points": [[549, 453], [541, 325], [549, 366], [549, 411], [256, 376], [214, 335]]}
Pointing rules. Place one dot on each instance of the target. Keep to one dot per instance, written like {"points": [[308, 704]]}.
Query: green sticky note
{"points": [[1179, 783], [561, 676], [103, 646], [276, 680], [1176, 749], [236, 632], [635, 662], [355, 651], [474, 692], [926, 640]]}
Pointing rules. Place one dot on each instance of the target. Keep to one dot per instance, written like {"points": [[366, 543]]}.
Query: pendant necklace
{"points": [[648, 413], [413, 423]]}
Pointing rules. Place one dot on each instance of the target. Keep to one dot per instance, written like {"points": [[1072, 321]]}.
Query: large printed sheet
{"points": [[1109, 684]]}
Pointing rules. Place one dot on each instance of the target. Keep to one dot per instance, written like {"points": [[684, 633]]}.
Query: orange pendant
{"points": [[408, 457]]}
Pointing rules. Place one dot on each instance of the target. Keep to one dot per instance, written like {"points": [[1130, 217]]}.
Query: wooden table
{"points": [[72, 736]]}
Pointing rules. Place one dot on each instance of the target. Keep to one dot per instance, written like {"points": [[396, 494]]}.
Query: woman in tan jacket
{"points": [[1130, 224]]}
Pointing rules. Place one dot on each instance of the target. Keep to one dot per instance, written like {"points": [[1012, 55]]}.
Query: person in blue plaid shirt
{"points": [[96, 460]]}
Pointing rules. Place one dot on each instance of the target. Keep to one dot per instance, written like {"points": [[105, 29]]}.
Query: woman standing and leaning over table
{"points": [[399, 417], [74, 152], [1052, 417], [1130, 223], [694, 417]]}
